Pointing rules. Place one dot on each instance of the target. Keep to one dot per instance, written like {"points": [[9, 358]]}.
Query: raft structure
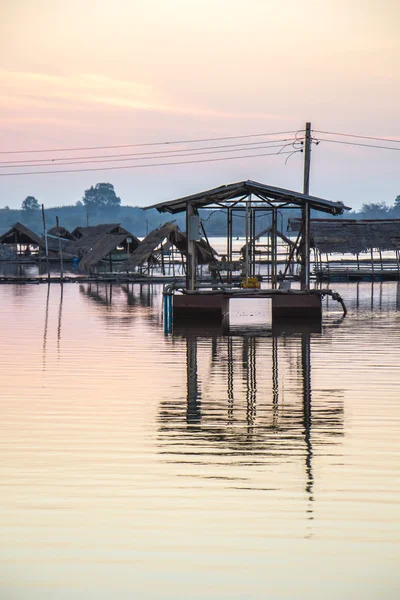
{"points": [[199, 302]]}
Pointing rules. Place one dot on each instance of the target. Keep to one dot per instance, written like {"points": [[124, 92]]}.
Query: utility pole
{"points": [[305, 272]]}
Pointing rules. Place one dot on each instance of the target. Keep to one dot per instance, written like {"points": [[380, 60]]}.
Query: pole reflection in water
{"points": [[307, 412], [113, 299], [60, 319], [193, 396], [245, 415]]}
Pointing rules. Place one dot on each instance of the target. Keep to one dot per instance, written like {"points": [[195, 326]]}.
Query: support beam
{"points": [[305, 212], [191, 252], [274, 249]]}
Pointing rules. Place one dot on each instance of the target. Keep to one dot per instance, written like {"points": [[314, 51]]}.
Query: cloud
{"points": [[43, 91]]}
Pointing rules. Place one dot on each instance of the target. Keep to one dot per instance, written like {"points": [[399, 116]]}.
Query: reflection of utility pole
{"points": [[275, 379], [193, 404], [230, 380], [59, 320], [46, 322], [249, 362], [307, 416]]}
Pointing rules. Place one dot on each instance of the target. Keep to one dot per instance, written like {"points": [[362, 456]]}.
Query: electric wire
{"points": [[353, 135], [358, 144], [113, 168], [141, 156], [169, 142]]}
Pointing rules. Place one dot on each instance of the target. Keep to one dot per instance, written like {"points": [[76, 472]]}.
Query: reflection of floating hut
{"points": [[23, 239]]}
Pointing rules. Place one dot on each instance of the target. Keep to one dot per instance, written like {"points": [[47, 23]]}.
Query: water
{"points": [[135, 465]]}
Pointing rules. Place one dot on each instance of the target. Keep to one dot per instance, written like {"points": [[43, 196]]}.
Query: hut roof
{"points": [[19, 234], [62, 232], [70, 248], [203, 252], [146, 248], [351, 235], [87, 237], [80, 232], [104, 245], [226, 195]]}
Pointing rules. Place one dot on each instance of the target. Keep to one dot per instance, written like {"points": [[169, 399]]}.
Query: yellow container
{"points": [[252, 282]]}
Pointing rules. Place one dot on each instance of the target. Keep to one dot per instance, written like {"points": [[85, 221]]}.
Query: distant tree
{"points": [[397, 202], [30, 203], [102, 195], [6, 207], [374, 210], [79, 203]]}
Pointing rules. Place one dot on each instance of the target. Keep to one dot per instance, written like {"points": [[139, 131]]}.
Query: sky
{"points": [[95, 73]]}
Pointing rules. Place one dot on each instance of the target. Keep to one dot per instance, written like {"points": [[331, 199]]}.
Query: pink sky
{"points": [[106, 73]]}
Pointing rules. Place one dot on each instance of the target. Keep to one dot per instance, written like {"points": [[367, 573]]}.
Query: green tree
{"points": [[397, 201], [102, 195], [30, 203], [374, 210]]}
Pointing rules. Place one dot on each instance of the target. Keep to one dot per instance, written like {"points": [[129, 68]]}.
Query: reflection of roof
{"points": [[19, 234], [352, 236], [226, 194]]}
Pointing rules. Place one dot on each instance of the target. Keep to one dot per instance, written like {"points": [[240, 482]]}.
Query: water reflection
{"points": [[121, 302], [229, 411]]}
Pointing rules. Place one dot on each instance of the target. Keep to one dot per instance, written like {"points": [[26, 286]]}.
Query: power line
{"points": [[358, 144], [170, 142], [45, 162], [188, 162], [364, 137]]}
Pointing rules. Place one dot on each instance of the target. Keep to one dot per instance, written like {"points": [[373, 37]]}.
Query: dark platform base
{"points": [[198, 308], [296, 307]]}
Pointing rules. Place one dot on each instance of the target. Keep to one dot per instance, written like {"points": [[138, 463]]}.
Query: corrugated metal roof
{"points": [[226, 193]]}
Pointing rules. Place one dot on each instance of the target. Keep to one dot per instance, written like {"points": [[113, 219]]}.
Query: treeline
{"points": [[100, 204]]}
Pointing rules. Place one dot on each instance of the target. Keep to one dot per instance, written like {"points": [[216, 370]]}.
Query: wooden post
{"points": [[273, 249], [372, 262], [45, 241], [246, 260], [162, 260], [191, 252], [305, 274]]}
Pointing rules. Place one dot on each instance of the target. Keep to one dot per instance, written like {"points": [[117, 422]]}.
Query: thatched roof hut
{"points": [[19, 234], [350, 236], [105, 244], [62, 232], [144, 252]]}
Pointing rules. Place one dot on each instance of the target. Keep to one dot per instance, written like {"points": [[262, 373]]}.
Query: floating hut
{"points": [[105, 246], [23, 239], [365, 240], [157, 243], [250, 198]]}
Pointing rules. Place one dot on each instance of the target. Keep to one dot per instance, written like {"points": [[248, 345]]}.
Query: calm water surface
{"points": [[135, 465]]}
